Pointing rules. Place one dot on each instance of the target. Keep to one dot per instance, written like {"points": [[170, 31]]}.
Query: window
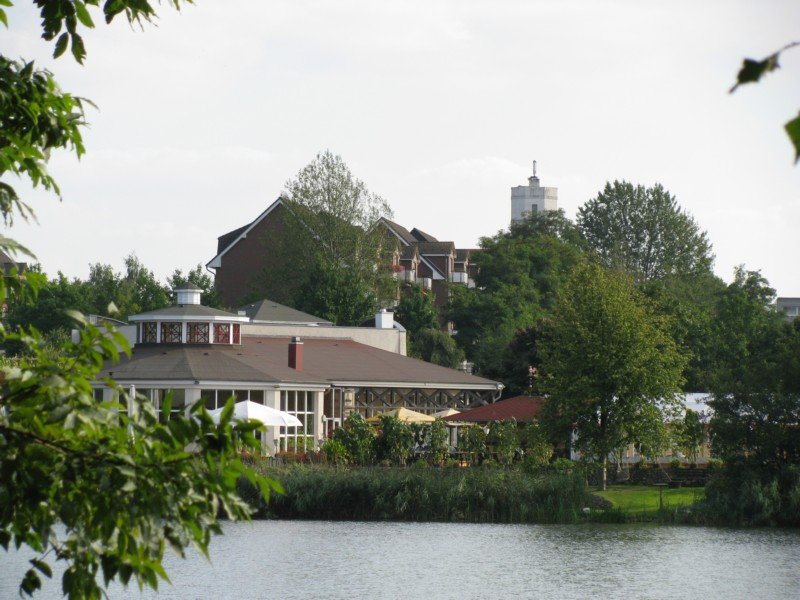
{"points": [[213, 399], [148, 333], [98, 394], [157, 396], [197, 333], [222, 333], [235, 333], [301, 405], [170, 333]]}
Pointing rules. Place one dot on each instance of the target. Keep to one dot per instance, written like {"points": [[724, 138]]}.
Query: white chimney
{"points": [[384, 319]]}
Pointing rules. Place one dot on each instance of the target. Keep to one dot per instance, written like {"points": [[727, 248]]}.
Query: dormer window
{"points": [[222, 333], [171, 333], [197, 333], [149, 331]]}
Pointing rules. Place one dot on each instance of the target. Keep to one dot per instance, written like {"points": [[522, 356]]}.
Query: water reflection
{"points": [[297, 559]]}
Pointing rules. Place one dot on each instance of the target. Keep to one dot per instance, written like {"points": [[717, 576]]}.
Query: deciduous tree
{"points": [[644, 232], [610, 364]]}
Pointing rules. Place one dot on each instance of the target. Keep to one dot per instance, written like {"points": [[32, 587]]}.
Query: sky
{"points": [[438, 106]]}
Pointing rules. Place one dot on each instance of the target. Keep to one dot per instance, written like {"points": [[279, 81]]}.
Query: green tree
{"points": [[536, 446], [437, 347], [519, 273], [691, 434], [437, 442], [503, 440], [87, 483], [134, 291], [472, 440], [644, 232], [609, 363], [417, 310], [358, 438], [395, 442], [328, 238]]}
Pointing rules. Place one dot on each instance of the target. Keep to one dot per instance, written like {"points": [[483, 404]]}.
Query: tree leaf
{"points": [[83, 14], [61, 45], [793, 131], [753, 70]]}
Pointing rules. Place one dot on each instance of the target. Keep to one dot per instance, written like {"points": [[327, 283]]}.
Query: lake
{"points": [[316, 559]]}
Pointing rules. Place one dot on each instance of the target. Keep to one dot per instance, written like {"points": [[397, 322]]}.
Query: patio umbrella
{"points": [[268, 416], [405, 415], [446, 413]]}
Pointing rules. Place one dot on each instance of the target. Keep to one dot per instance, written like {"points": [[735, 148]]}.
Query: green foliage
{"points": [[644, 232], [335, 452], [691, 435], [472, 440], [424, 494], [36, 117], [436, 346], [437, 446], [336, 294], [329, 249], [753, 70], [503, 441], [99, 486], [395, 442], [417, 311], [611, 367], [536, 446], [519, 274], [358, 438], [756, 391]]}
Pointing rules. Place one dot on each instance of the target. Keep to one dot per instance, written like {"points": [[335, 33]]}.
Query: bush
{"points": [[473, 441], [675, 464], [358, 438], [437, 443], [503, 440], [335, 452], [395, 443]]}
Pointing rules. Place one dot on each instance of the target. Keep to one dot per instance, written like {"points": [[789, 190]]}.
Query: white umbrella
{"points": [[268, 416]]}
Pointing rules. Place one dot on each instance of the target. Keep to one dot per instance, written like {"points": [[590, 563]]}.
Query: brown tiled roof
{"points": [[519, 408], [422, 236], [436, 247], [400, 231], [463, 254], [262, 358], [408, 252]]}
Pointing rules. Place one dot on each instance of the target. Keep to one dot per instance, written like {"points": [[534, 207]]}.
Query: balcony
{"points": [[459, 277]]}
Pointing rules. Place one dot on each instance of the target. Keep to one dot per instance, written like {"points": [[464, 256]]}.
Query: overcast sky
{"points": [[438, 106]]}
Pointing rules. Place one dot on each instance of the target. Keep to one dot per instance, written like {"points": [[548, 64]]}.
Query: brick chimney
{"points": [[296, 354]]}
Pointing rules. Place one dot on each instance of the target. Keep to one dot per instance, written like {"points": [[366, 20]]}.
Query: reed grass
{"points": [[477, 495]]}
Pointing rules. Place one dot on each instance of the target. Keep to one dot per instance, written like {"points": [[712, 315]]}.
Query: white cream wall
{"points": [[391, 340]]}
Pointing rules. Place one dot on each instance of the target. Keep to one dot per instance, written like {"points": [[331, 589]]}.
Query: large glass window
{"points": [[170, 333], [157, 396], [213, 399], [197, 333], [301, 405]]}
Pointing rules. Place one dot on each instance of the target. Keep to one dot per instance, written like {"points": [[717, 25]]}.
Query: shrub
{"points": [[358, 438], [675, 464], [473, 441], [395, 443], [437, 443], [503, 440], [536, 446], [335, 452]]}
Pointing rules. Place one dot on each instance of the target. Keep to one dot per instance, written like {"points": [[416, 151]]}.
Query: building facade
{"points": [[532, 198]]}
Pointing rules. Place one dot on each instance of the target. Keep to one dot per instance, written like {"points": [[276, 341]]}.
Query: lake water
{"points": [[316, 559]]}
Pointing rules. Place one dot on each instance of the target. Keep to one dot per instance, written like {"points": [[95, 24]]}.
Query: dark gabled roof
{"points": [[463, 254], [400, 231], [226, 239], [186, 310], [408, 252], [202, 363], [436, 247], [422, 236], [272, 312], [264, 359], [518, 408]]}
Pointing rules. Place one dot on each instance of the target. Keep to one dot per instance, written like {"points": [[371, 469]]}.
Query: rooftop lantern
{"points": [[188, 322]]}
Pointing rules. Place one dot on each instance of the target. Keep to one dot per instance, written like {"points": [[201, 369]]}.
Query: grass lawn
{"points": [[643, 499]]}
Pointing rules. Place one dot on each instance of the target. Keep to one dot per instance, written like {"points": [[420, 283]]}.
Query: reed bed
{"points": [[477, 495]]}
